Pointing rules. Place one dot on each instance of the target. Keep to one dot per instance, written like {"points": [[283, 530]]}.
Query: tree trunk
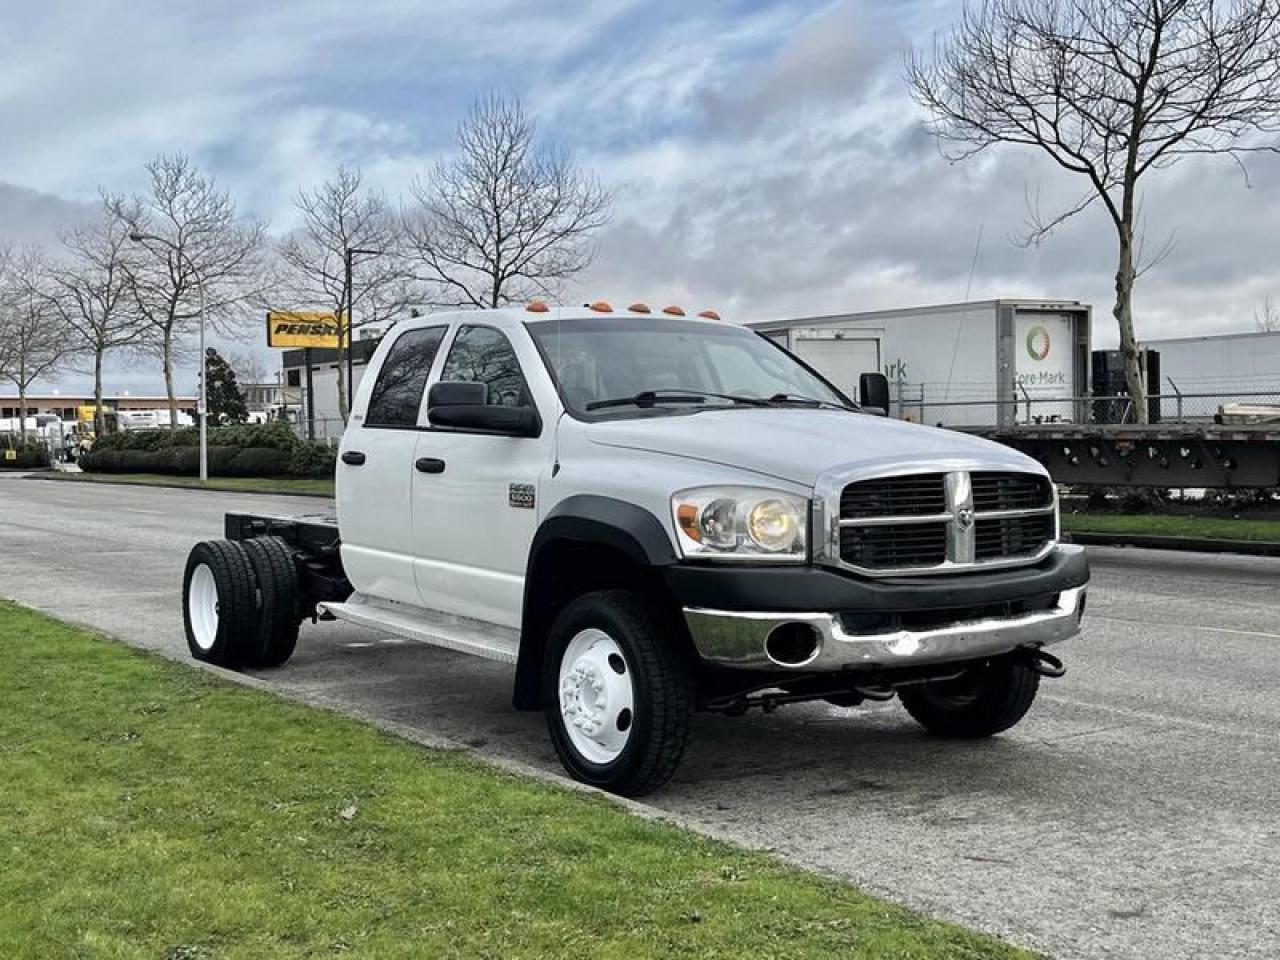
{"points": [[1123, 312], [22, 407], [168, 380], [99, 417]]}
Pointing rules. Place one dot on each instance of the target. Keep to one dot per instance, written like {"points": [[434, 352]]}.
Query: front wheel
{"points": [[980, 702], [619, 692]]}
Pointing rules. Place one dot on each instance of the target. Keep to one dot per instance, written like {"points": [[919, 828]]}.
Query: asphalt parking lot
{"points": [[1135, 813]]}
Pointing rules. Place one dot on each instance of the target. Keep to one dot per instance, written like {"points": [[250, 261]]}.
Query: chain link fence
{"points": [[321, 429], [917, 403]]}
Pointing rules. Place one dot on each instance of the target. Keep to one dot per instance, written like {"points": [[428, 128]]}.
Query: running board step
{"points": [[429, 626]]}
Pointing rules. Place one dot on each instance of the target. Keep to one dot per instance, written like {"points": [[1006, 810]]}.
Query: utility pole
{"points": [[349, 255]]}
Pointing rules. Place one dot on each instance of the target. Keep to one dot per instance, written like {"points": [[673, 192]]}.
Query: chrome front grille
{"points": [[909, 496], [999, 538], [935, 522], [1010, 491]]}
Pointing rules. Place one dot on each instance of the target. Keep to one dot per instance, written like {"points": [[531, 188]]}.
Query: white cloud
{"points": [[766, 158]]}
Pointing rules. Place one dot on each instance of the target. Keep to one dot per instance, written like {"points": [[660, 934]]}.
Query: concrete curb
{"points": [[1249, 548], [212, 488]]}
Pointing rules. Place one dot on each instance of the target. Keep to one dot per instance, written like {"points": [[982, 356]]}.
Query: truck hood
{"points": [[799, 444]]}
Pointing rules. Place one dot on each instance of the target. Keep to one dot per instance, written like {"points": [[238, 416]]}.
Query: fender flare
{"points": [[629, 529]]}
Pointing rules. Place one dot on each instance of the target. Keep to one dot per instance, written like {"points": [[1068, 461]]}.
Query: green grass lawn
{"points": [[256, 484], [151, 810], [1172, 525]]}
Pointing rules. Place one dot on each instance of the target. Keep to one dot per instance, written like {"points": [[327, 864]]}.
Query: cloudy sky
{"points": [[765, 156]]}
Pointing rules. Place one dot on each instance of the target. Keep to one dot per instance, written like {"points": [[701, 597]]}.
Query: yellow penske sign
{"points": [[302, 329]]}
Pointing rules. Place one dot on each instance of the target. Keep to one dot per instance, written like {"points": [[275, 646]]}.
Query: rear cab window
{"points": [[397, 393]]}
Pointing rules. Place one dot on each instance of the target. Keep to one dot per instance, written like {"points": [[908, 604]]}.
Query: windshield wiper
{"points": [[808, 401], [648, 398]]}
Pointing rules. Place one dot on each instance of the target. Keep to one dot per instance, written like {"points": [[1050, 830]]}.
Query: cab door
{"points": [[476, 494], [375, 470]]}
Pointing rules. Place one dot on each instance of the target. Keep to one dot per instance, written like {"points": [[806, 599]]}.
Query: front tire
{"points": [[219, 603], [980, 702], [619, 692]]}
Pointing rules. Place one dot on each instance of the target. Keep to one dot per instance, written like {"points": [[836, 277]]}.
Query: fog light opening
{"points": [[792, 644]]}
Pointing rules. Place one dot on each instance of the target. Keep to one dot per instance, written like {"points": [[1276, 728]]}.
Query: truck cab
{"points": [[649, 514]]}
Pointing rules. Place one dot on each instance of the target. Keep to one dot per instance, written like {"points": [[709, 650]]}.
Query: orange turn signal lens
{"points": [[537, 306], [687, 517], [639, 308], [674, 311], [709, 315], [601, 306]]}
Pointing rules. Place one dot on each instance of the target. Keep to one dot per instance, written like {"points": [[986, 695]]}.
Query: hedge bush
{"points": [[259, 462], [240, 450], [29, 455], [277, 435], [313, 459]]}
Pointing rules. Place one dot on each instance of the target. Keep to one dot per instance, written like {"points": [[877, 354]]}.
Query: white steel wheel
{"points": [[219, 603], [202, 602], [618, 691], [597, 696]]}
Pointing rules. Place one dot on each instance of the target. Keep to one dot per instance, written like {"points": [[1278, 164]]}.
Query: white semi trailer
{"points": [[982, 363]]}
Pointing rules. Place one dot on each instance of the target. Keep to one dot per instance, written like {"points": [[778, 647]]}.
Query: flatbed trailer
{"points": [[1149, 455]]}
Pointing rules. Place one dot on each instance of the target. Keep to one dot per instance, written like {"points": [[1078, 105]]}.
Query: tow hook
{"points": [[1042, 662]]}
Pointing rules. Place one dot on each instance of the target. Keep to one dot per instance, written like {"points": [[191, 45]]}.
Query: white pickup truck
{"points": [[648, 515]]}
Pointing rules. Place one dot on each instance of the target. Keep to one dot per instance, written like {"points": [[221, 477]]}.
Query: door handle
{"points": [[429, 465], [353, 457]]}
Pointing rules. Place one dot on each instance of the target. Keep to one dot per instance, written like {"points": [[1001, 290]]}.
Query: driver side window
{"points": [[485, 355]]}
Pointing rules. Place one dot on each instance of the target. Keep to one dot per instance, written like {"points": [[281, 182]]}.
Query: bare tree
{"points": [[338, 216], [91, 290], [33, 342], [1110, 90], [191, 237], [1267, 315], [248, 366], [506, 219]]}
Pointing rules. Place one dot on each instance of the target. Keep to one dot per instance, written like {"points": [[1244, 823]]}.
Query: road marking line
{"points": [[1189, 626], [1152, 716]]}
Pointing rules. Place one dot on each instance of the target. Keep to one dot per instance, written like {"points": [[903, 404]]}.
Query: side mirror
{"points": [[873, 394], [462, 406], [453, 393]]}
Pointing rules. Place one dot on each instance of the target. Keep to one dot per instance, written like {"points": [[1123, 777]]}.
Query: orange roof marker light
{"points": [[601, 306], [709, 315], [673, 311], [537, 306], [639, 308]]}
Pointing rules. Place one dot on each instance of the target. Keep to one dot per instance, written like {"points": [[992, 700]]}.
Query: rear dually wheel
{"points": [[219, 603]]}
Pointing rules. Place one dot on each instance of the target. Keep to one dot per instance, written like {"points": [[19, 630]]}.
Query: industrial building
{"points": [[65, 405]]}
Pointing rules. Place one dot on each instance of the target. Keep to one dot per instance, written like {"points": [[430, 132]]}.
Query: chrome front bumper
{"points": [[738, 639]]}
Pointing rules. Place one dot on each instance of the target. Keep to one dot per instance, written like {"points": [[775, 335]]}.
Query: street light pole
{"points": [[349, 255], [204, 357]]}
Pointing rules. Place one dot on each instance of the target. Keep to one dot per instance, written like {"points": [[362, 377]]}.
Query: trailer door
{"points": [[842, 360], [1045, 348]]}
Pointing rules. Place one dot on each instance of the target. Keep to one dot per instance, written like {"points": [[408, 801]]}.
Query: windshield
{"points": [[630, 366]]}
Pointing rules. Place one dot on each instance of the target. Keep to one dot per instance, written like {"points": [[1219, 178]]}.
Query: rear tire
{"points": [[277, 620], [619, 692], [219, 603], [981, 702]]}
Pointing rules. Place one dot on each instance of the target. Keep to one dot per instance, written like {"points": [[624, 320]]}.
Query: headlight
{"points": [[741, 523]]}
